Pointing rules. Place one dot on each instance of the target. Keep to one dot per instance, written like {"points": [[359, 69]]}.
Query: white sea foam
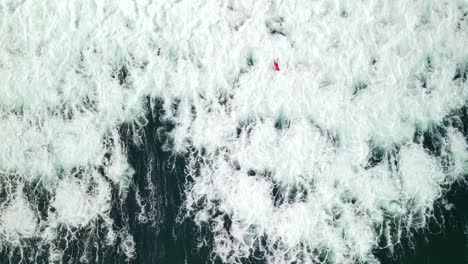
{"points": [[18, 220], [354, 78]]}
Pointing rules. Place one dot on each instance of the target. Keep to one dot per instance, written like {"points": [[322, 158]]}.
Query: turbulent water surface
{"points": [[199, 131]]}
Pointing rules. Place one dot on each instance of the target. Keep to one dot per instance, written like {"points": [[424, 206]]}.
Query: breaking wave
{"points": [[289, 131]]}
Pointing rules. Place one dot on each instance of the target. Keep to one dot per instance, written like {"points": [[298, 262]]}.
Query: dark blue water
{"points": [[163, 239]]}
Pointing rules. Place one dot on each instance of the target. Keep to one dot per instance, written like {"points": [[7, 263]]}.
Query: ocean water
{"points": [[233, 131]]}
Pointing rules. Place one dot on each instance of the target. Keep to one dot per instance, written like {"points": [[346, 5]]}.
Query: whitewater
{"points": [[301, 131]]}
